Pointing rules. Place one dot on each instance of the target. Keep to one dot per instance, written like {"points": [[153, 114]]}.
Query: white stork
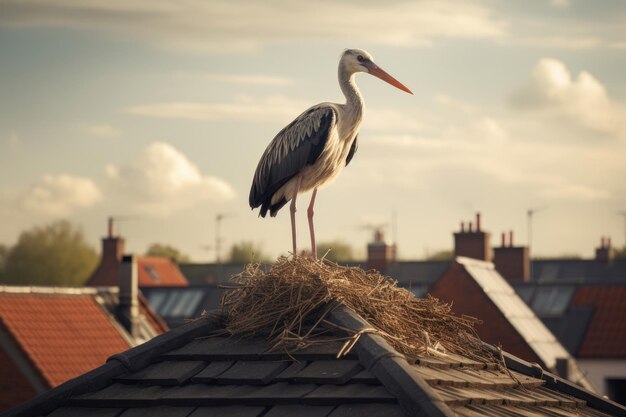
{"points": [[313, 149]]}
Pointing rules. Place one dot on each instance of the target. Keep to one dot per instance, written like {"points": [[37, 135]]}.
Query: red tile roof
{"points": [[153, 271], [606, 334], [157, 271], [62, 335]]}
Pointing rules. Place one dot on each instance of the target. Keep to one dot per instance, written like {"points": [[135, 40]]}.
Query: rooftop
{"points": [[195, 370]]}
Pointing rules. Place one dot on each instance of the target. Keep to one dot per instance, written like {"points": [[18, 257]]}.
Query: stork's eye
{"points": [[360, 58]]}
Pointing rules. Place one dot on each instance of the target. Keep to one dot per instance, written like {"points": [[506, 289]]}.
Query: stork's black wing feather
{"points": [[299, 144], [353, 149]]}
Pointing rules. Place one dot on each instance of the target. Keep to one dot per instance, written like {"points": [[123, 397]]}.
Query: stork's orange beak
{"points": [[376, 71]]}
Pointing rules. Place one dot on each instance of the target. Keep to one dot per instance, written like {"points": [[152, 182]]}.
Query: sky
{"points": [[157, 112]]}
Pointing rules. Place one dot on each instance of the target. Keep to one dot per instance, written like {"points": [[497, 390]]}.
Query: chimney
{"points": [[380, 254], [472, 243], [512, 262], [128, 306], [605, 252], [106, 274]]}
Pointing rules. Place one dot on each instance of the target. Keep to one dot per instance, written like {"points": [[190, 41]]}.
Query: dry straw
{"points": [[288, 304]]}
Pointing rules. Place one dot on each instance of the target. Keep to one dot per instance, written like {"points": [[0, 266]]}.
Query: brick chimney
{"points": [[605, 252], [106, 274], [127, 310], [512, 262], [473, 242], [380, 254]]}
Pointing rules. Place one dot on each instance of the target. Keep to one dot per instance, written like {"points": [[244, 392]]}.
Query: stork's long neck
{"points": [[354, 100]]}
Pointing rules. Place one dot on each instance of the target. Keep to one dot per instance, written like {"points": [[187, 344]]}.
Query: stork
{"points": [[313, 149]]}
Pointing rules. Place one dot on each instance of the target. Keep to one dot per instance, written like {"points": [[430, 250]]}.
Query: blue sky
{"points": [[159, 111]]}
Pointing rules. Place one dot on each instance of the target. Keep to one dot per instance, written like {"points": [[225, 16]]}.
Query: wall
{"points": [[14, 387], [598, 370]]}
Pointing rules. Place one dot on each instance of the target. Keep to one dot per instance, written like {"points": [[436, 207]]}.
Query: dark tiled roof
{"points": [[579, 271], [191, 371]]}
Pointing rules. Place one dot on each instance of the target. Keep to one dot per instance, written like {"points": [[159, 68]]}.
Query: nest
{"points": [[288, 304]]}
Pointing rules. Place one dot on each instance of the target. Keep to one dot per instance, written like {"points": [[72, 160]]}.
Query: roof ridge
{"points": [[414, 394], [40, 289]]}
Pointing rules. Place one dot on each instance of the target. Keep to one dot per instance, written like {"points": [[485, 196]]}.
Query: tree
{"points": [[157, 249], [336, 251], [55, 254], [621, 253], [246, 252], [4, 252]]}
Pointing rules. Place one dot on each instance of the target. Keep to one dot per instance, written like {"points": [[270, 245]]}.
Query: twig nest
{"points": [[288, 304]]}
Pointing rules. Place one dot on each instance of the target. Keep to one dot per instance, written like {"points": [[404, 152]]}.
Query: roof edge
{"points": [[131, 360], [464, 260], [414, 395], [557, 383]]}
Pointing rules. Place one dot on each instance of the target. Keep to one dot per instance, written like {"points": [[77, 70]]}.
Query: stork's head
{"points": [[358, 60]]}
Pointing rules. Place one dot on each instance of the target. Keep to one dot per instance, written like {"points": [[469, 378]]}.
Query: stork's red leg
{"points": [[292, 209], [311, 228]]}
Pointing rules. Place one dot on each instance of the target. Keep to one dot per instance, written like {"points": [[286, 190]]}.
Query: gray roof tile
{"points": [[252, 372], [157, 411], [164, 373], [369, 410], [212, 371], [329, 372], [300, 411], [228, 411], [83, 411]]}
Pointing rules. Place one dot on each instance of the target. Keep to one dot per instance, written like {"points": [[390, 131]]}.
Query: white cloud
{"points": [[59, 195], [583, 101], [161, 180], [243, 108], [227, 26], [248, 79], [103, 130]]}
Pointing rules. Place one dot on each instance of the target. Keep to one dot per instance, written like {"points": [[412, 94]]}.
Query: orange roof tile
{"points": [[62, 335], [158, 271], [605, 333]]}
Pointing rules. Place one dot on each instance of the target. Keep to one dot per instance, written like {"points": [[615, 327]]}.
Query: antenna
{"points": [[394, 226], [218, 236], [116, 220], [623, 214], [529, 224]]}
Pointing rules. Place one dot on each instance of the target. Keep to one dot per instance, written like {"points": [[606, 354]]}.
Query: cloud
{"points": [[59, 195], [582, 101], [161, 180], [249, 79], [222, 25], [103, 130], [241, 109]]}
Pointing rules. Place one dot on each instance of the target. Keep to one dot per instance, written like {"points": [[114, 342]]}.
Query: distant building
{"points": [[49, 335], [154, 271]]}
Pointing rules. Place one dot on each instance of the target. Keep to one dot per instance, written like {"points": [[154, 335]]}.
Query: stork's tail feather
{"points": [[273, 208]]}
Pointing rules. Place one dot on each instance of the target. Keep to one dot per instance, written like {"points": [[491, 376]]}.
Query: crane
{"points": [[313, 149]]}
